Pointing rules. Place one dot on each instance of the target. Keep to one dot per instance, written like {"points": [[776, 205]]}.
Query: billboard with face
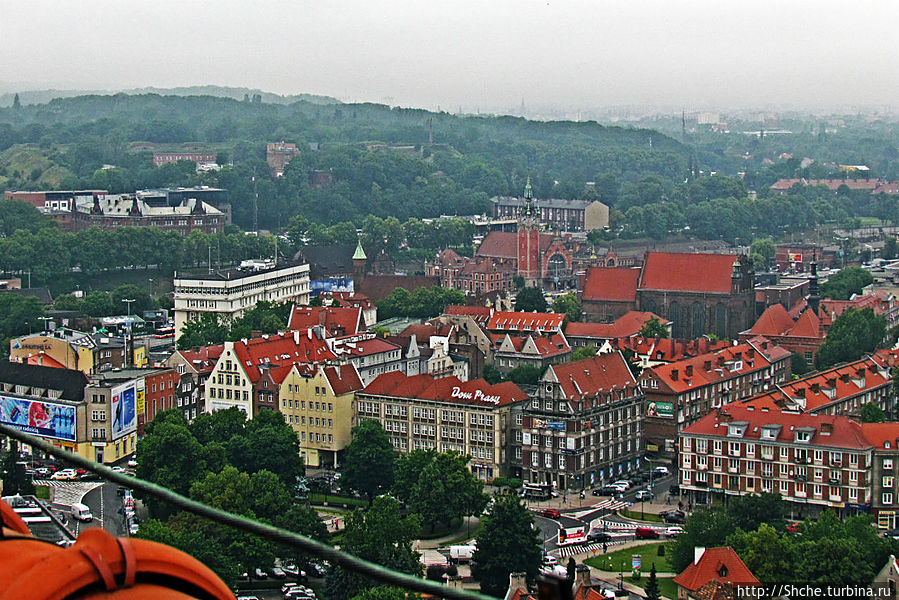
{"points": [[124, 409], [44, 419]]}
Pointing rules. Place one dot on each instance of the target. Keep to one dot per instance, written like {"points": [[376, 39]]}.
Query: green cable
{"points": [[275, 534]]}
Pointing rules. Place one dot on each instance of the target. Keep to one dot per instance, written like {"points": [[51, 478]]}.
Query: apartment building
{"points": [[582, 428], [231, 292], [318, 402], [446, 414], [813, 461], [680, 393]]}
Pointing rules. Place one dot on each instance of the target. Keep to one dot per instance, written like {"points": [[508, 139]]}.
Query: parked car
{"points": [[133, 528], [606, 490], [551, 513], [315, 570], [259, 574], [673, 516], [796, 528], [278, 573], [646, 533], [550, 561], [674, 531], [292, 571], [290, 585], [660, 471], [42, 472], [132, 463], [644, 495], [623, 484], [892, 533], [118, 469], [64, 475]]}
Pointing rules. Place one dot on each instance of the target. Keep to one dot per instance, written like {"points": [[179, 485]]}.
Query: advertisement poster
{"points": [[124, 409], [554, 425], [141, 394], [664, 410], [45, 419], [332, 284]]}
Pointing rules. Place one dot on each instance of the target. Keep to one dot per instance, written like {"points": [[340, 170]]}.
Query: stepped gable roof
{"points": [[774, 321], [627, 325], [336, 321], [720, 564], [528, 344], [688, 272], [612, 284], [280, 349], [446, 389], [589, 377], [837, 431], [525, 321], [69, 382], [504, 244], [343, 379]]}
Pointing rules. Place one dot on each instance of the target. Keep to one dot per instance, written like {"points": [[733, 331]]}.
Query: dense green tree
{"points": [[385, 592], [852, 334], [846, 282], [493, 375], [506, 543], [653, 328], [530, 299], [381, 535], [525, 375], [583, 352], [19, 315], [762, 251], [423, 302], [142, 299], [769, 554], [706, 528], [369, 461], [268, 442], [652, 585], [569, 305], [890, 248], [97, 303], [871, 413], [751, 510], [798, 365]]}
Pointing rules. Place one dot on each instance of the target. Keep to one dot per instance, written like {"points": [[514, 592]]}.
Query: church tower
{"points": [[529, 238], [360, 262]]}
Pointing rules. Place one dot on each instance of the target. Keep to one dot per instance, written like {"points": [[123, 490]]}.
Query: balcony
{"points": [[801, 478], [835, 481], [801, 460], [702, 467], [733, 469]]}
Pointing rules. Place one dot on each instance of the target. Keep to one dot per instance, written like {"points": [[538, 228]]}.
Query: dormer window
{"points": [[803, 436]]}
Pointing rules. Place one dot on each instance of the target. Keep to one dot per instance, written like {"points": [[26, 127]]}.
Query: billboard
{"points": [[795, 257], [124, 409], [140, 394], [554, 425], [44, 419], [331, 284], [664, 410]]}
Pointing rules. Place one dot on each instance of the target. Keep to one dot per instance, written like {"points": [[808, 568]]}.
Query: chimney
{"points": [[698, 551], [518, 581], [688, 371], [582, 576], [725, 417]]}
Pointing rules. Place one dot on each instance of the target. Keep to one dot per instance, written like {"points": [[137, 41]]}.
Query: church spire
{"points": [[814, 299]]}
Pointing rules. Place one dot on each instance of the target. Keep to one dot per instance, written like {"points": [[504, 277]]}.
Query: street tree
{"points": [[530, 299], [381, 535], [369, 461], [706, 528], [653, 328], [269, 443], [525, 375], [569, 305], [871, 413], [446, 489], [762, 251], [15, 481], [506, 543], [853, 333]]}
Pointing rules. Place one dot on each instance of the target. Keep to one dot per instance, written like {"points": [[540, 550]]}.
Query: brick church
{"points": [[700, 294]]}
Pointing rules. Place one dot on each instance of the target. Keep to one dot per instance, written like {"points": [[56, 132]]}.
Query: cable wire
{"points": [[275, 534]]}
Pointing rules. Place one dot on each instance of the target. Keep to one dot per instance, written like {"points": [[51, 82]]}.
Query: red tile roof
{"points": [[882, 435], [627, 325], [808, 325], [845, 432], [202, 359], [721, 564], [481, 314], [826, 387], [545, 346], [668, 349], [365, 347], [346, 299], [446, 389], [688, 272], [280, 349], [525, 321], [336, 320], [611, 284], [774, 321], [343, 379], [504, 244], [593, 377]]}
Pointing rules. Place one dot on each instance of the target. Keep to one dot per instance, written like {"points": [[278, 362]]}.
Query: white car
{"points": [[660, 470], [623, 484], [133, 528], [65, 475], [118, 469], [132, 463], [674, 531]]}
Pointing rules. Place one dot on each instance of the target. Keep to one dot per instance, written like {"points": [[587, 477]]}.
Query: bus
{"points": [[164, 331], [537, 491]]}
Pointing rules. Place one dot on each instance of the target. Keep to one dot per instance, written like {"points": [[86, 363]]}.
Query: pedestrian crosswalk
{"points": [[67, 493], [609, 504], [566, 551]]}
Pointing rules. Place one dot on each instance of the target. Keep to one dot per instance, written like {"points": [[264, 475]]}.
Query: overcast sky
{"points": [[486, 54]]}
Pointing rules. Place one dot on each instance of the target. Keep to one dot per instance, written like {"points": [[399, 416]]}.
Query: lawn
{"points": [[640, 516], [621, 559], [332, 499], [667, 587], [42, 492]]}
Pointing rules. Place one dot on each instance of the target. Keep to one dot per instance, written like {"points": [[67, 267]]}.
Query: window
{"points": [[888, 481], [887, 498], [887, 463], [717, 447]]}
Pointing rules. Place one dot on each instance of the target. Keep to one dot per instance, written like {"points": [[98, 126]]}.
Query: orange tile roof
{"points": [[688, 272], [335, 320], [721, 564], [525, 321], [611, 284], [504, 244], [202, 359], [546, 346], [808, 325], [279, 349], [446, 389], [591, 377], [845, 432], [668, 349], [481, 314], [627, 325], [882, 435], [343, 379], [774, 321]]}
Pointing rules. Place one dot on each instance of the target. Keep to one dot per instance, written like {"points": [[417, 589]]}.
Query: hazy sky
{"points": [[486, 53]]}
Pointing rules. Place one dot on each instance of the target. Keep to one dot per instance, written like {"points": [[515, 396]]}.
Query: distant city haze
{"points": [[487, 55]]}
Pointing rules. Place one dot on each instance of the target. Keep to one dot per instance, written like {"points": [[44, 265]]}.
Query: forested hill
{"points": [[472, 157]]}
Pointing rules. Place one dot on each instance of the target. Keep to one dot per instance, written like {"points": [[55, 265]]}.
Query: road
{"points": [[106, 506]]}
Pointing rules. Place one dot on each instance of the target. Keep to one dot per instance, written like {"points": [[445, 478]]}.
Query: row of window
{"points": [[301, 404], [767, 452], [313, 421]]}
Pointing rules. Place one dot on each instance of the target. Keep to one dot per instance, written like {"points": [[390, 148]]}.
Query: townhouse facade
{"points": [[813, 461], [583, 427], [446, 414], [680, 393]]}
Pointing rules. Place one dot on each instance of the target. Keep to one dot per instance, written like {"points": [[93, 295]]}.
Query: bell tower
{"points": [[529, 238]]}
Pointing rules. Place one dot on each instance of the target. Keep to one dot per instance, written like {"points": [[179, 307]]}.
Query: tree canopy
{"points": [[530, 299], [846, 282], [369, 461], [852, 334], [506, 543], [653, 328], [568, 305]]}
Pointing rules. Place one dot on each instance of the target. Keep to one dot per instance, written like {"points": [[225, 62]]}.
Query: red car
{"points": [[793, 528], [646, 533], [550, 513]]}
